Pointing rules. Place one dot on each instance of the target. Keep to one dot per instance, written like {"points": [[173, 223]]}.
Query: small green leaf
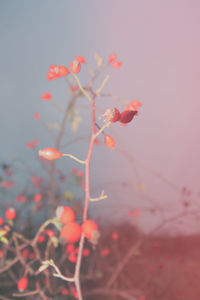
{"points": [[4, 240]]}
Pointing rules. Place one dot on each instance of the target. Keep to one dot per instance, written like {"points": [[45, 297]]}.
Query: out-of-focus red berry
{"points": [[22, 284], [46, 96], [75, 66], [37, 197], [32, 256], [36, 181], [1, 221], [64, 291], [112, 57], [49, 232], [32, 144], [50, 153], [109, 141], [116, 64], [41, 239], [86, 252], [89, 227], [70, 248], [115, 236], [50, 76], [65, 214], [104, 252], [25, 253], [7, 184], [74, 88], [10, 213], [75, 294], [80, 59], [70, 233], [2, 254], [72, 257], [63, 71], [21, 198], [36, 116]]}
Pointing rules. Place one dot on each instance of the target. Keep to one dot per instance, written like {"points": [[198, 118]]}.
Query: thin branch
{"points": [[102, 85], [75, 158]]}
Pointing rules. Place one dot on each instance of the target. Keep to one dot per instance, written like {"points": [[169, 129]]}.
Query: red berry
{"points": [[10, 213], [89, 228], [37, 197], [63, 71], [65, 214], [25, 253], [7, 184], [36, 116], [50, 76], [112, 114], [46, 96], [32, 255], [50, 153], [70, 233], [1, 221], [116, 64], [22, 284], [2, 253], [21, 198], [86, 252], [127, 116], [80, 59], [64, 291], [109, 141], [75, 66], [115, 236], [72, 257], [105, 252], [41, 239], [112, 57], [50, 233], [70, 248]]}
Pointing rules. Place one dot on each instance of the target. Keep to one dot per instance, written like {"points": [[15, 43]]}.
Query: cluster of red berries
{"points": [[112, 60], [56, 71], [71, 231], [113, 114]]}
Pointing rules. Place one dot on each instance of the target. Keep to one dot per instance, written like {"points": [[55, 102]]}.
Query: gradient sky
{"points": [[159, 44]]}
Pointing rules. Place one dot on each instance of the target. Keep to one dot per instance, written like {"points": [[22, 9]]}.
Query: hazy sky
{"points": [[159, 45]]}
